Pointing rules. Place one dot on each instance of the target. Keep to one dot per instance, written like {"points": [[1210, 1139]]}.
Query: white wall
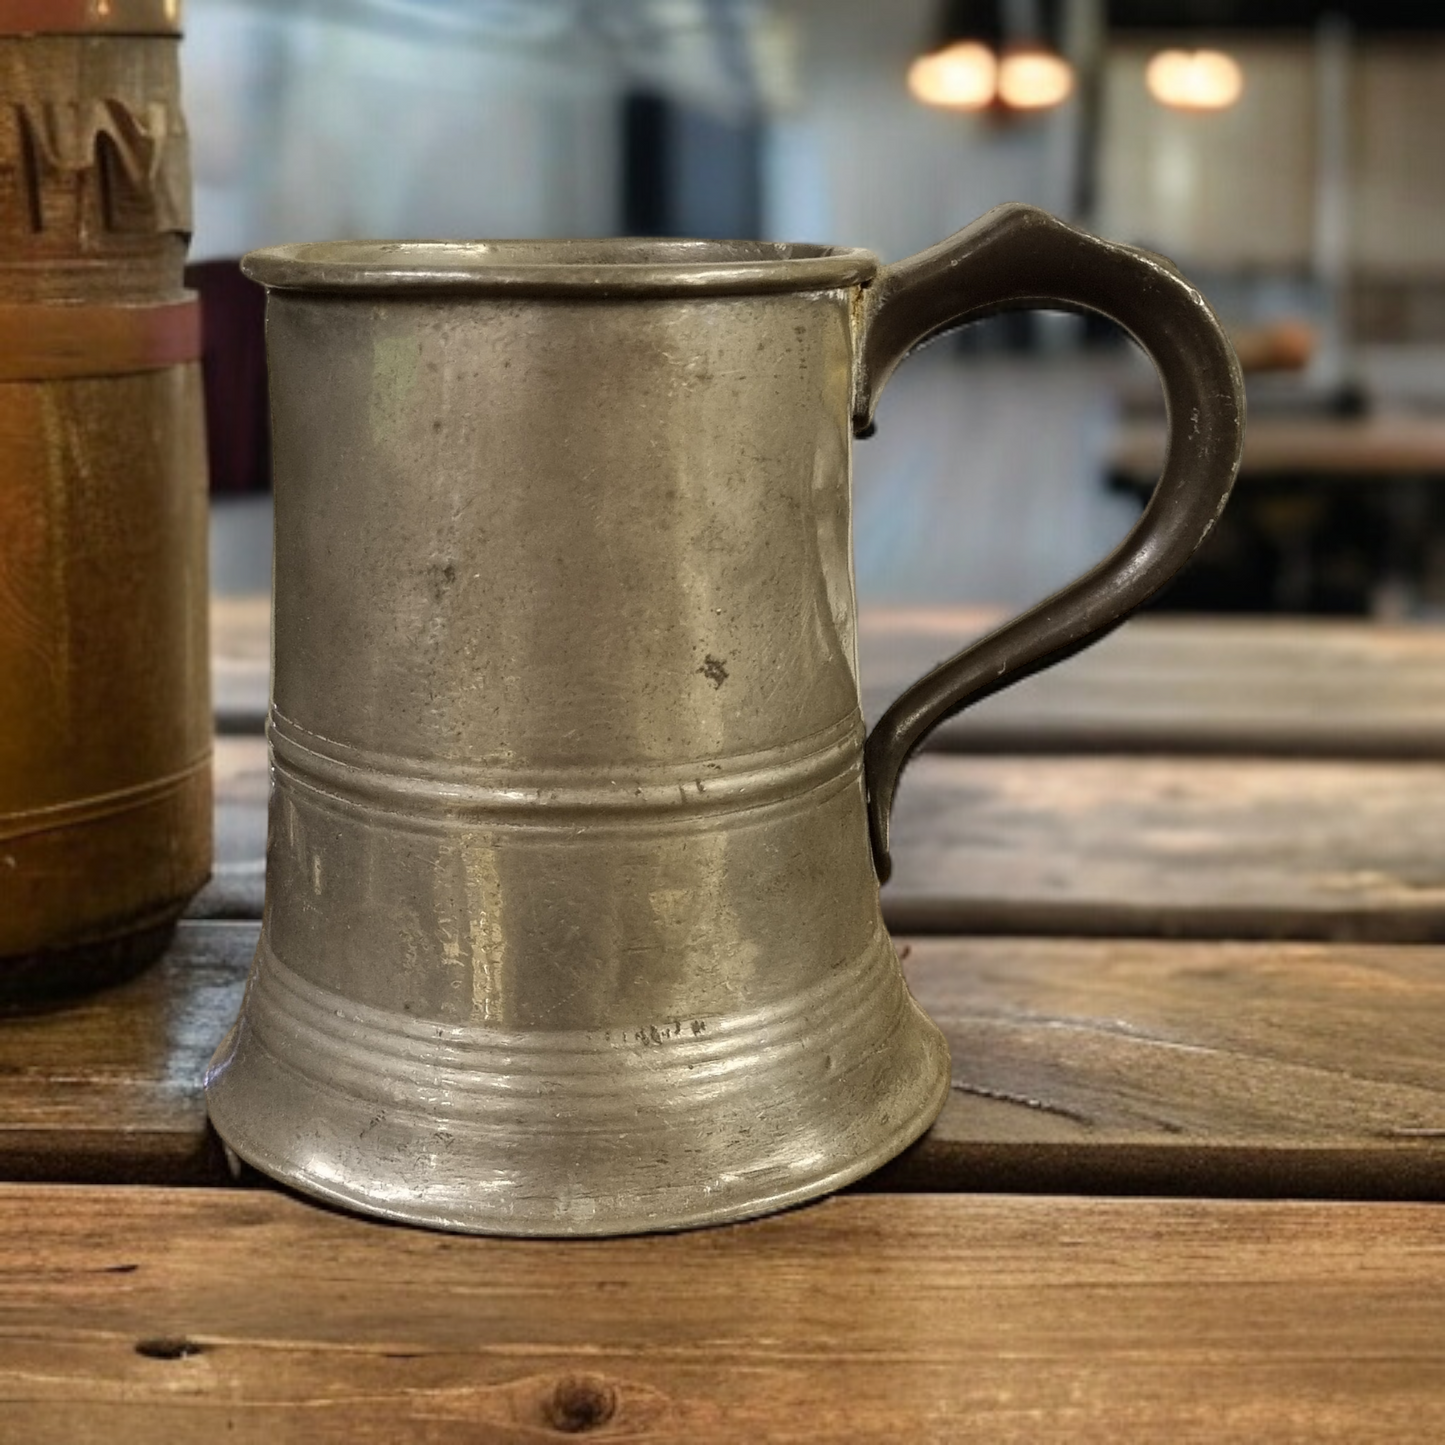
{"points": [[1230, 190], [984, 481], [856, 160], [305, 127]]}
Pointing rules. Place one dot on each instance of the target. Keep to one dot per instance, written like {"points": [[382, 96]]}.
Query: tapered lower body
{"points": [[578, 1133], [585, 1014]]}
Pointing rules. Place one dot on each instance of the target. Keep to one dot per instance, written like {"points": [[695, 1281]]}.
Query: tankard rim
{"points": [[615, 266]]}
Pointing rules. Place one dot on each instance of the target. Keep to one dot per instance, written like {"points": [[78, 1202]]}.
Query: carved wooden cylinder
{"points": [[105, 789]]}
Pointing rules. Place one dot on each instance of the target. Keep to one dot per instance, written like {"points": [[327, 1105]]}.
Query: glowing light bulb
{"points": [[959, 77], [1034, 79], [1194, 79]]}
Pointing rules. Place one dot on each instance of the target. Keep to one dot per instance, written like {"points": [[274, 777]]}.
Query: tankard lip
{"points": [[615, 266]]}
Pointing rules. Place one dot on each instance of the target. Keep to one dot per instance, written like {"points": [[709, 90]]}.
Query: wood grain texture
{"points": [[1216, 1069], [1190, 685], [1169, 847], [1086, 1066], [94, 160], [1088, 846], [1253, 686], [108, 1089], [199, 1315]]}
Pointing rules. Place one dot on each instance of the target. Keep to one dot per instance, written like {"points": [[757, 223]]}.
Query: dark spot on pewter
{"points": [[580, 1403], [168, 1349], [713, 669], [442, 577]]}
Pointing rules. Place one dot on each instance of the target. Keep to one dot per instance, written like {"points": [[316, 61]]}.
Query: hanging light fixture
{"points": [[1194, 79], [1033, 78], [993, 54], [961, 71], [961, 76]]}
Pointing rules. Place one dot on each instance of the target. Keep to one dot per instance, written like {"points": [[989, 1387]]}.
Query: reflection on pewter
{"points": [[572, 917]]}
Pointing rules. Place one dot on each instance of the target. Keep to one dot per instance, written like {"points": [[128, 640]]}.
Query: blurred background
{"points": [[1288, 156]]}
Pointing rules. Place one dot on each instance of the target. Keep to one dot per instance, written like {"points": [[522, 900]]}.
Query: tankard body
{"points": [[572, 917]]}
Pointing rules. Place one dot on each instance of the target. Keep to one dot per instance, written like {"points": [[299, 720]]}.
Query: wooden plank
{"points": [[1238, 686], [1088, 1066], [1218, 1069], [199, 1315], [109, 1088], [1210, 685], [1089, 846], [1169, 847]]}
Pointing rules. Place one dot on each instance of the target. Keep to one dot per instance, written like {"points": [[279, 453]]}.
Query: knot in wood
{"points": [[579, 1403], [168, 1349]]}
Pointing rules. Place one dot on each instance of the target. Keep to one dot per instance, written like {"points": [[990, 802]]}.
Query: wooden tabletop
{"points": [[1252, 687], [1174, 916], [199, 1316], [1173, 847]]}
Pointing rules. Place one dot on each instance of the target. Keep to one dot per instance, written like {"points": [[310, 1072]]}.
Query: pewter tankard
{"points": [[572, 919]]}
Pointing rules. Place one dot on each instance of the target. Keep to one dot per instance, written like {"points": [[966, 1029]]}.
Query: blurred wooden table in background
{"points": [[1331, 513], [1178, 896]]}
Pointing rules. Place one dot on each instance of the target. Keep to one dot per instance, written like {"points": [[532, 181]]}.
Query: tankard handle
{"points": [[1016, 258]]}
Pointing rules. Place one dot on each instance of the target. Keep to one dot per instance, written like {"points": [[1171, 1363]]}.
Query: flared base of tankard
{"points": [[668, 1125]]}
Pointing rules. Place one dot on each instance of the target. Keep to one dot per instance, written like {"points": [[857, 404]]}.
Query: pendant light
{"points": [[1032, 77], [961, 76], [993, 54], [1194, 79], [961, 71]]}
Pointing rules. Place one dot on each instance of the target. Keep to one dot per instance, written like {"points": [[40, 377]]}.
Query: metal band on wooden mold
{"points": [[50, 342], [91, 17]]}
